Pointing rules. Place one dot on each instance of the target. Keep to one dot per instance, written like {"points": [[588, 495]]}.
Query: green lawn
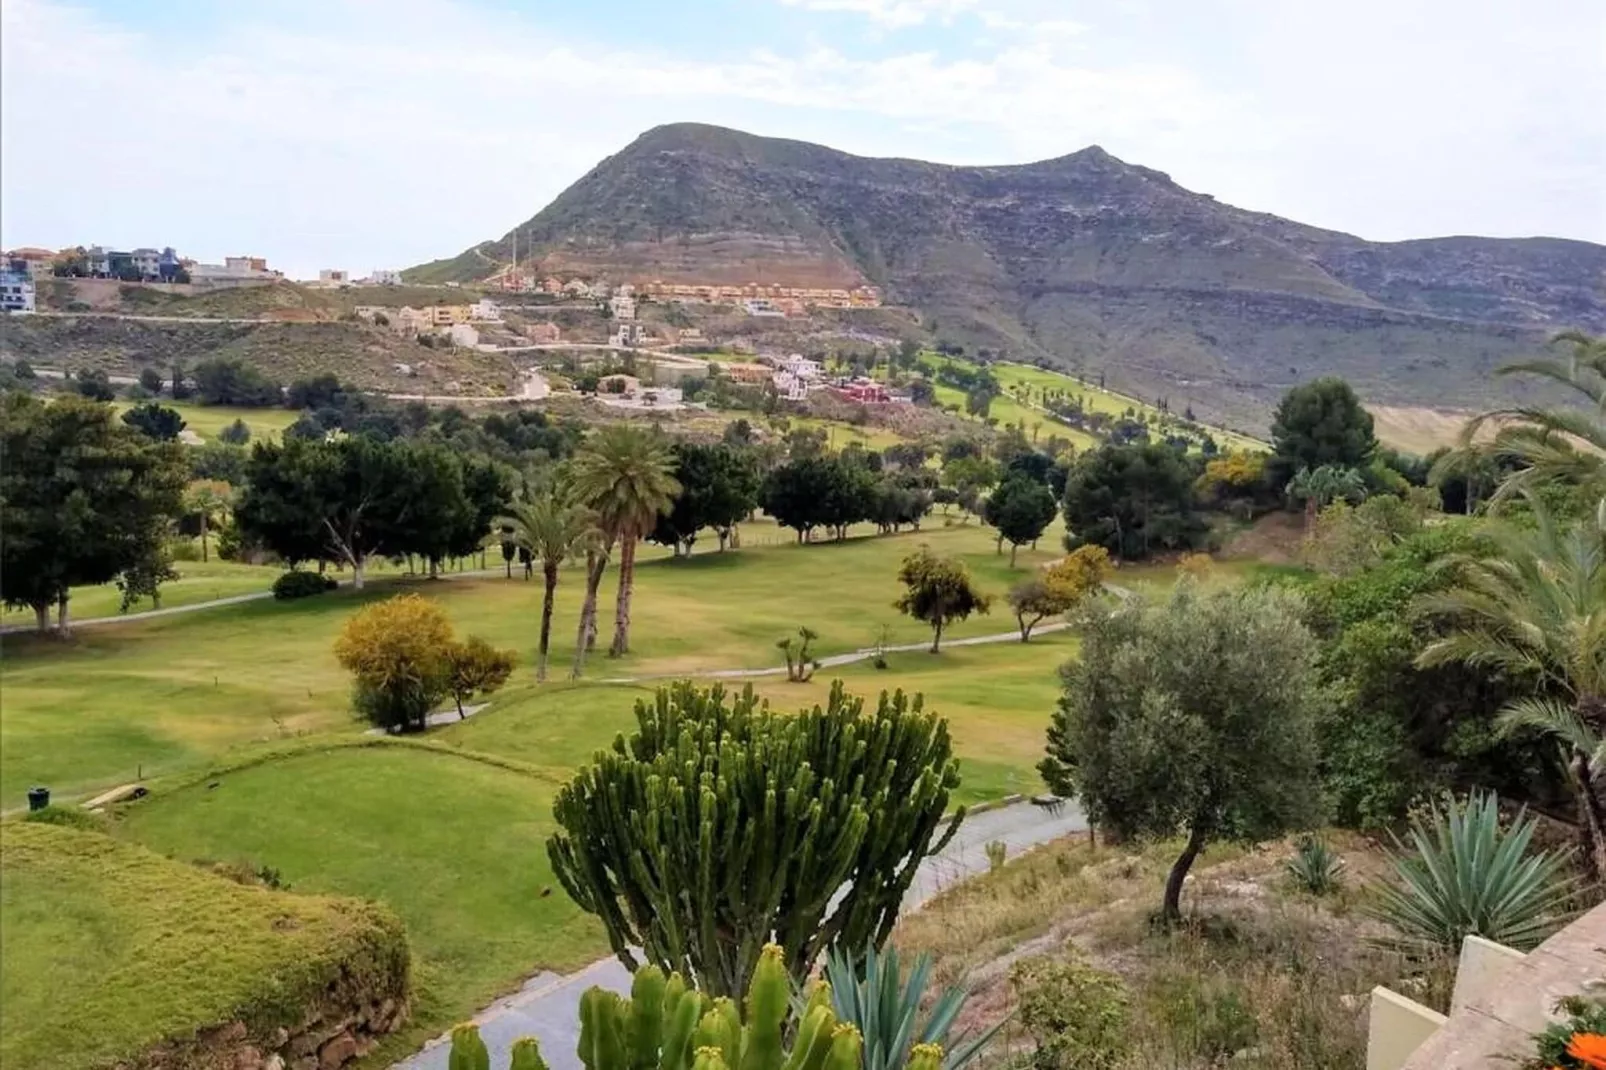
{"points": [[453, 844], [197, 582], [208, 420], [110, 949]]}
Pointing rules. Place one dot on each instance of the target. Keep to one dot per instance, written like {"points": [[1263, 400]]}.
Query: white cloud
{"points": [[320, 136], [893, 14]]}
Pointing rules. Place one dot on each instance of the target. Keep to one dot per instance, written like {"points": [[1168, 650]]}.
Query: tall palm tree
{"points": [[625, 474], [1321, 486], [1538, 605], [551, 527], [1561, 444]]}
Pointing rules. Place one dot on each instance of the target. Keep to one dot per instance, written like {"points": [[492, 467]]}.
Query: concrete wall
{"points": [[1397, 1028], [1480, 972]]}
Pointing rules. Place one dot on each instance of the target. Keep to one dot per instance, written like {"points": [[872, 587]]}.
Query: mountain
{"points": [[1084, 260]]}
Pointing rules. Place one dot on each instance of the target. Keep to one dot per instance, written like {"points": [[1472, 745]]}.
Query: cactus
{"points": [[720, 824], [665, 1025]]}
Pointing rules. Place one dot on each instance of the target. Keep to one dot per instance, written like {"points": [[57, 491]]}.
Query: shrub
{"points": [[997, 853], [1467, 876], [665, 1024], [1079, 1017], [299, 584], [870, 993], [1207, 1016], [475, 667], [1315, 868], [398, 652]]}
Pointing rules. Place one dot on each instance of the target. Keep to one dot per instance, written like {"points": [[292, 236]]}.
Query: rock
{"points": [[248, 1058], [273, 1062], [337, 1052]]}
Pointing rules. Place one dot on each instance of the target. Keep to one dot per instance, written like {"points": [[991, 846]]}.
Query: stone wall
{"points": [[325, 1040]]}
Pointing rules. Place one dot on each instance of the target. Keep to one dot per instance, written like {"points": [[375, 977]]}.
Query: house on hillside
{"points": [[333, 278], [16, 291], [385, 277], [31, 261], [576, 288], [802, 367], [410, 321], [485, 311], [623, 308], [628, 334]]}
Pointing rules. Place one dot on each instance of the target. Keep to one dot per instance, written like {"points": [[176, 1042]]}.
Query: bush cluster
{"points": [[299, 584]]}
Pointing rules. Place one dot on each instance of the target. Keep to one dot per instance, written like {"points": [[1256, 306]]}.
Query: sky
{"points": [[364, 134]]}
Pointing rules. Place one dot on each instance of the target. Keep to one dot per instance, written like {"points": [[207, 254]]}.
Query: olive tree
{"points": [[1196, 717]]}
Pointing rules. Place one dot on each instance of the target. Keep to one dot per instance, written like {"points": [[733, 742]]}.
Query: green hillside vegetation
{"points": [[111, 949], [208, 420]]}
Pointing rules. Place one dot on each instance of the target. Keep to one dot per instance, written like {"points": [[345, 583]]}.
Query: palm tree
{"points": [[625, 474], [551, 527], [207, 499], [1320, 487], [1538, 605], [1547, 444]]}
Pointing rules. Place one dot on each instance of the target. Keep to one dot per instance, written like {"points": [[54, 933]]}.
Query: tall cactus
{"points": [[722, 825], [666, 1026]]}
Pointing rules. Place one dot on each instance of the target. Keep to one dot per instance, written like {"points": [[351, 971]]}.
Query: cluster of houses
{"points": [[755, 298], [796, 376], [461, 323]]}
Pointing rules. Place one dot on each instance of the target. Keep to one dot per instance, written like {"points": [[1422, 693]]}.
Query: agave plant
{"points": [[1467, 876], [871, 994], [1316, 867]]}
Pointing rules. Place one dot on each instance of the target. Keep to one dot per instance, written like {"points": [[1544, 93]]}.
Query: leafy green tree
{"points": [[94, 384], [818, 822], [84, 499], [1058, 590], [236, 433], [231, 382], [181, 388], [939, 591], [151, 380], [719, 487], [155, 421], [1397, 729], [1132, 500], [817, 491], [625, 475], [1196, 717], [1322, 423], [1535, 606], [1021, 509], [551, 528]]}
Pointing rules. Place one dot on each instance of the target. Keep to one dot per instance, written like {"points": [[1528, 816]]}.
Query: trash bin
{"points": [[38, 798]]}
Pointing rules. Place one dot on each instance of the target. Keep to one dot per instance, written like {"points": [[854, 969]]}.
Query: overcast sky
{"points": [[381, 133]]}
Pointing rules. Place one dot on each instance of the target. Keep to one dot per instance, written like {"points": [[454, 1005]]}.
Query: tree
{"points": [[1059, 589], [551, 528], [1322, 423], [800, 662], [1317, 487], [817, 491], [181, 388], [823, 817], [237, 433], [1535, 605], [625, 475], [475, 667], [151, 380], [84, 499], [207, 499], [1132, 500], [155, 421], [1021, 509], [94, 384], [719, 486], [1556, 444], [397, 651], [1239, 480], [938, 591], [1195, 717], [230, 382]]}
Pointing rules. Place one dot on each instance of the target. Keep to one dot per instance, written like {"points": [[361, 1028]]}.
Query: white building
{"points": [[762, 307], [16, 292], [623, 307], [627, 334], [148, 262], [576, 288], [385, 277], [485, 311], [801, 367], [333, 277]]}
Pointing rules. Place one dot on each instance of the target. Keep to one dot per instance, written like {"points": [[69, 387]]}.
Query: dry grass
{"points": [[1260, 975], [1416, 429]]}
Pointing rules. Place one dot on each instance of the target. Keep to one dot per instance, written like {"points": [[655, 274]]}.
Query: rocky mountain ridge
{"points": [[1083, 260]]}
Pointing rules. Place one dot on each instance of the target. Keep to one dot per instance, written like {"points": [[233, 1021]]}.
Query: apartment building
{"points": [[16, 291]]}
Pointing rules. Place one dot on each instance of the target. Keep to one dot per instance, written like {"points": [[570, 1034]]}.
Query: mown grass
{"points": [[198, 582], [455, 845], [110, 949], [209, 420]]}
